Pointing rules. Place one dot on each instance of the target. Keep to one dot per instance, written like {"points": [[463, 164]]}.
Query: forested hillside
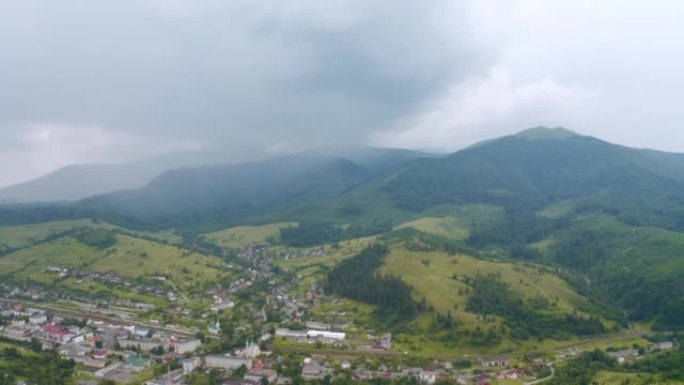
{"points": [[611, 218]]}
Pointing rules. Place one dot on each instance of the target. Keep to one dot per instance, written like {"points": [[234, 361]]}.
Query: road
{"points": [[356, 353], [553, 374]]}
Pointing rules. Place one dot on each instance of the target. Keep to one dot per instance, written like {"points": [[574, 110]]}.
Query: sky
{"points": [[116, 81]]}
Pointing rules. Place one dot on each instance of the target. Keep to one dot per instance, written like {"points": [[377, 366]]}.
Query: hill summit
{"points": [[541, 132]]}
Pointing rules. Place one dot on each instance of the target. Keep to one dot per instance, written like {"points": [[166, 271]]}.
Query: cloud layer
{"points": [[87, 81]]}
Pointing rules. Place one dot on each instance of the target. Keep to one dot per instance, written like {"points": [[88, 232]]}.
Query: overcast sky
{"points": [[110, 81]]}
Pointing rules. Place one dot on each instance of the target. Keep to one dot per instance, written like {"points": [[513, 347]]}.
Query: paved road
{"points": [[381, 353]]}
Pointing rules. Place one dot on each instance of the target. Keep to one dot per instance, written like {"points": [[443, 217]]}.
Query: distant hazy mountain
{"points": [[612, 215], [75, 182], [224, 194]]}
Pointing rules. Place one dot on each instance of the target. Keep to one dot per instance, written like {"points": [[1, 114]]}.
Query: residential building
{"points": [[227, 362], [189, 346], [257, 374]]}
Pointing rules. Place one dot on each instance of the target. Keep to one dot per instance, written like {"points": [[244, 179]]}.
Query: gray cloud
{"points": [[86, 81]]}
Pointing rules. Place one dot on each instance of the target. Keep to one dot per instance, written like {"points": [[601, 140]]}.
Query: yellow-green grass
{"points": [[557, 210], [23, 350], [431, 275], [239, 236], [449, 227], [618, 343], [468, 214], [15, 237], [617, 378], [135, 258], [79, 377], [358, 312], [507, 382], [30, 262], [333, 254], [168, 236], [312, 269], [94, 287], [651, 251], [130, 258]]}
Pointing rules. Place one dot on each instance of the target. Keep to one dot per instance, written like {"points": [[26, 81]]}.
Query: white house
{"points": [[190, 364], [326, 334]]}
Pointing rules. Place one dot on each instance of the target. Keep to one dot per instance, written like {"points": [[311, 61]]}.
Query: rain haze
{"points": [[95, 82]]}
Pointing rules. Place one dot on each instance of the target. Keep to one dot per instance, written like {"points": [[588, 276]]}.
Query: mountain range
{"points": [[80, 181], [610, 216]]}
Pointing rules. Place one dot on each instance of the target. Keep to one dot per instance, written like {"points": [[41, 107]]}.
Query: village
{"points": [[120, 351], [255, 329]]}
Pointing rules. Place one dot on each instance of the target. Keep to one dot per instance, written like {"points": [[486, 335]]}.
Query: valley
{"points": [[503, 263]]}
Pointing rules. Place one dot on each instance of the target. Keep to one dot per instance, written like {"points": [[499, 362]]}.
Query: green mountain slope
{"points": [[611, 218], [224, 195]]}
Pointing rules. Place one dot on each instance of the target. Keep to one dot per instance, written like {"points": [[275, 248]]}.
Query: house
{"points": [[257, 375], [137, 363], [494, 361], [318, 325], [19, 333], [428, 376], [386, 341], [461, 378], [312, 370], [142, 332], [287, 333], [100, 354], [622, 355], [345, 364], [56, 333], [78, 338], [89, 362], [143, 346], [38, 318], [362, 375], [337, 336], [666, 345], [515, 374], [190, 364], [411, 372]]}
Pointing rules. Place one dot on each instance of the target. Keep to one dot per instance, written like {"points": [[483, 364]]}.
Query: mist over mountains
{"points": [[611, 214]]}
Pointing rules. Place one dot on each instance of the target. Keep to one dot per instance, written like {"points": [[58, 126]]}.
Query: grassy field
{"points": [[439, 278], [30, 262], [449, 227], [557, 210], [130, 257], [15, 237], [650, 251], [239, 236], [615, 378], [431, 274], [312, 269]]}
